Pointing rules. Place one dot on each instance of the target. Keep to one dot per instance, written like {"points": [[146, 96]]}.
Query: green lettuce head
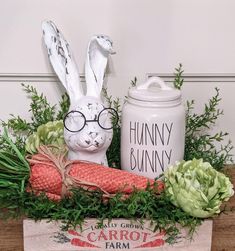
{"points": [[51, 133], [197, 187]]}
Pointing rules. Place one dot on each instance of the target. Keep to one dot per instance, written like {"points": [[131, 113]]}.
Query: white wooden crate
{"points": [[119, 234]]}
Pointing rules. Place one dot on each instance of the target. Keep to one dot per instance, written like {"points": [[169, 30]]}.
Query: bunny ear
{"points": [[98, 52], [62, 60]]}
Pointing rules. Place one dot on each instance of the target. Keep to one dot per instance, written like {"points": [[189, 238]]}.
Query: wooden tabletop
{"points": [[223, 237]]}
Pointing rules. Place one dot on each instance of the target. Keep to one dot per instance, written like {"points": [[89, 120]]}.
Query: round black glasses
{"points": [[75, 121]]}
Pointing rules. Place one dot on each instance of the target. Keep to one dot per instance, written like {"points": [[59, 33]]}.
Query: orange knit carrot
{"points": [[54, 175]]}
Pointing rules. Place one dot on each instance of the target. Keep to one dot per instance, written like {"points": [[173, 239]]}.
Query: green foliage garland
{"points": [[113, 153], [199, 143]]}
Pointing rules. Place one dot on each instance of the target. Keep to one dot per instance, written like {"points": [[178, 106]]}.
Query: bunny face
{"points": [[88, 129]]}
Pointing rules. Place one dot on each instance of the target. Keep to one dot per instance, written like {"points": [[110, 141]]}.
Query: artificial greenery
{"points": [[41, 112], [199, 143], [14, 174], [113, 153], [179, 80], [134, 82], [14, 169], [140, 205], [72, 210]]}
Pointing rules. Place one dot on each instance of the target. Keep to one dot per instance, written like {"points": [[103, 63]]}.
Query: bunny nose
{"points": [[93, 135]]}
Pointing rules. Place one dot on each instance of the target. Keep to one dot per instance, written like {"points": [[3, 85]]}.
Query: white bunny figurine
{"points": [[87, 126]]}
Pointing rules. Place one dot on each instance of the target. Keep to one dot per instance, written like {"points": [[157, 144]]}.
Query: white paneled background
{"points": [[150, 36]]}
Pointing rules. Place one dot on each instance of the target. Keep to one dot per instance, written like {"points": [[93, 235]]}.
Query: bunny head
{"points": [[88, 124]]}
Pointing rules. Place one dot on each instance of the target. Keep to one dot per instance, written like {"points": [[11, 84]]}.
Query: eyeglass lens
{"points": [[75, 121], [107, 118]]}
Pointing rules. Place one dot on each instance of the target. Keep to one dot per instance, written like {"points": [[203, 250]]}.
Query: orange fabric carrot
{"points": [[53, 175]]}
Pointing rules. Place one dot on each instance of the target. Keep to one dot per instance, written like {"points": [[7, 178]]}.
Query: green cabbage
{"points": [[51, 133], [197, 187]]}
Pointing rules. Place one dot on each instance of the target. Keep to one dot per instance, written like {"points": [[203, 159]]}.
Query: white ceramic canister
{"points": [[153, 128]]}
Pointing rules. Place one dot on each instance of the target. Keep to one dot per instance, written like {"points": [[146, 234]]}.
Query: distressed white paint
{"points": [[99, 48], [90, 142]]}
